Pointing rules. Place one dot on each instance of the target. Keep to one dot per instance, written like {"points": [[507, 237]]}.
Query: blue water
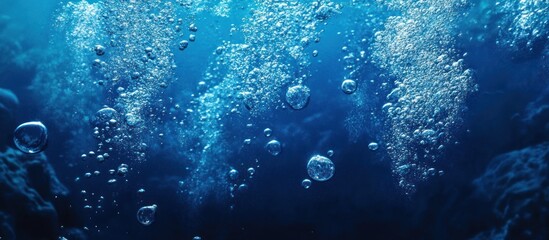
{"points": [[156, 115]]}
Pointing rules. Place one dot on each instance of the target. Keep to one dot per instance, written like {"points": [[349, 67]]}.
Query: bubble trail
{"points": [[250, 78], [431, 86]]}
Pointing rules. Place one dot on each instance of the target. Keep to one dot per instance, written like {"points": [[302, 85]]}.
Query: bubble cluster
{"points": [[266, 62], [362, 115], [430, 87], [140, 62], [220, 8], [63, 81], [250, 77], [104, 75], [105, 116], [127, 57], [523, 26], [298, 96]]}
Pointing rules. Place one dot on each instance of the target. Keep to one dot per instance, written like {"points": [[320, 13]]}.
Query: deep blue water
{"points": [[455, 94]]}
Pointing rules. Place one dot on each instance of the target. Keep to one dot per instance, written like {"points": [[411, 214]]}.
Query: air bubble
{"points": [[273, 147], [267, 132], [243, 187], [373, 146], [30, 137], [251, 171], [193, 28], [183, 45], [233, 174], [146, 214], [122, 169], [348, 86], [320, 168], [99, 50], [104, 115], [306, 183]]}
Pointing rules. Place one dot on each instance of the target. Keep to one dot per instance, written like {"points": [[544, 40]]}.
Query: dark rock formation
{"points": [[8, 104], [518, 184], [33, 203], [536, 118], [28, 185]]}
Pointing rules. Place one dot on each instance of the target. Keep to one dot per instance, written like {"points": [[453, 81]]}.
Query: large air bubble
{"points": [[30, 137], [273, 147], [348, 86], [298, 96], [320, 168], [146, 214]]}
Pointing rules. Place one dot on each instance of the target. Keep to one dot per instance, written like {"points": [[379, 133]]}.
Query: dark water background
{"points": [[361, 201]]}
